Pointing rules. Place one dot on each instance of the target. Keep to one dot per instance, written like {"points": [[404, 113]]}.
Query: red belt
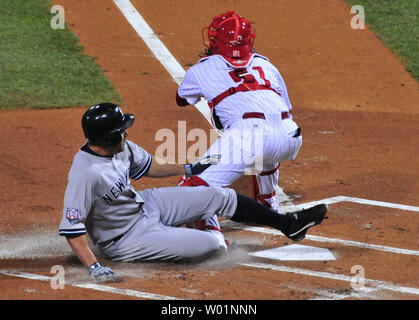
{"points": [[260, 115]]}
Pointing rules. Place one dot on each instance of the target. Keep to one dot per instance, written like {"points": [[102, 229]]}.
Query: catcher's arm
{"points": [[189, 91], [181, 102]]}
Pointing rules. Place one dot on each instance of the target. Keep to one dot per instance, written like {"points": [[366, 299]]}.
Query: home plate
{"points": [[295, 252]]}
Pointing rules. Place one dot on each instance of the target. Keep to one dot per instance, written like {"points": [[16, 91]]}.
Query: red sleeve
{"points": [[181, 102]]}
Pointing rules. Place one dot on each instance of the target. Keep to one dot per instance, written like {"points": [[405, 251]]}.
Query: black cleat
{"points": [[305, 219]]}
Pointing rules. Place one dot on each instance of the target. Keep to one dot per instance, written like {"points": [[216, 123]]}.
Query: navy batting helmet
{"points": [[103, 123]]}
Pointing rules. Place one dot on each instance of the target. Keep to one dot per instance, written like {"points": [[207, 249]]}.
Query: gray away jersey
{"points": [[99, 197]]}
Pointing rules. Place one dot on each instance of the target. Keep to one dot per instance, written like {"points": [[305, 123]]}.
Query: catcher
{"points": [[249, 103]]}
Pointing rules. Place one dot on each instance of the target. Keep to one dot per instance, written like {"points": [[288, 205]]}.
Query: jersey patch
{"points": [[73, 215]]}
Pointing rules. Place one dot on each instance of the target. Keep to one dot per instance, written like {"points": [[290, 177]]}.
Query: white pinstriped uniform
{"points": [[268, 140], [210, 77]]}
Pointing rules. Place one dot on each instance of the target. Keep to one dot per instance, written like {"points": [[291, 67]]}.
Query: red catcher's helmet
{"points": [[232, 36]]}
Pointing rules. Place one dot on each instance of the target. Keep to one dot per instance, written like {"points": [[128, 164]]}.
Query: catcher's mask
{"points": [[230, 35], [103, 124]]}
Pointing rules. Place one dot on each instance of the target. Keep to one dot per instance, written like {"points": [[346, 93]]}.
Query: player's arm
{"points": [[80, 247], [144, 164], [77, 197], [189, 91], [159, 170], [181, 102], [280, 86]]}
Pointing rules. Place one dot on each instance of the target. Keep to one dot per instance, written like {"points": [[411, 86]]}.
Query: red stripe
{"points": [[255, 185], [258, 115]]}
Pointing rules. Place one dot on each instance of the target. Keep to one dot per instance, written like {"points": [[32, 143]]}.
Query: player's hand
{"points": [[103, 274], [199, 165]]}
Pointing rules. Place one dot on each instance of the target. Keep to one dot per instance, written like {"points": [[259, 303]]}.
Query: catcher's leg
{"points": [[230, 167], [283, 144], [264, 187]]}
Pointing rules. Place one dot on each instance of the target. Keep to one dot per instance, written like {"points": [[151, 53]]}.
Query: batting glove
{"points": [[199, 165], [103, 274]]}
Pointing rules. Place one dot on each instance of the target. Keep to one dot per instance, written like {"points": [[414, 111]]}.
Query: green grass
{"points": [[396, 23], [45, 68]]}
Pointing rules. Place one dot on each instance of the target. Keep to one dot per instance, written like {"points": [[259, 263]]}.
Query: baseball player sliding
{"points": [[130, 225], [249, 103]]}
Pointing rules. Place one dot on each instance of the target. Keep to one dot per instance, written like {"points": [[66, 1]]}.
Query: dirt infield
{"points": [[355, 102]]}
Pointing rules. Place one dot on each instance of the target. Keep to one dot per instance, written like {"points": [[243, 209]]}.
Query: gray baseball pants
{"points": [[157, 235]]}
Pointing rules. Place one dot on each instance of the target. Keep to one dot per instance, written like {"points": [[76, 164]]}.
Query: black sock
{"points": [[250, 210]]}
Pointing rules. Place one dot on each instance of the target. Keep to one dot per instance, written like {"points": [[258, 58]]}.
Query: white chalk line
{"points": [[381, 285], [375, 284], [234, 225], [362, 293], [333, 200], [158, 49], [93, 286], [360, 201]]}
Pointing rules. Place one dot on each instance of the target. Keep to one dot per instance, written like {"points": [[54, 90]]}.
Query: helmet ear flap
{"points": [[106, 140], [113, 138]]}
